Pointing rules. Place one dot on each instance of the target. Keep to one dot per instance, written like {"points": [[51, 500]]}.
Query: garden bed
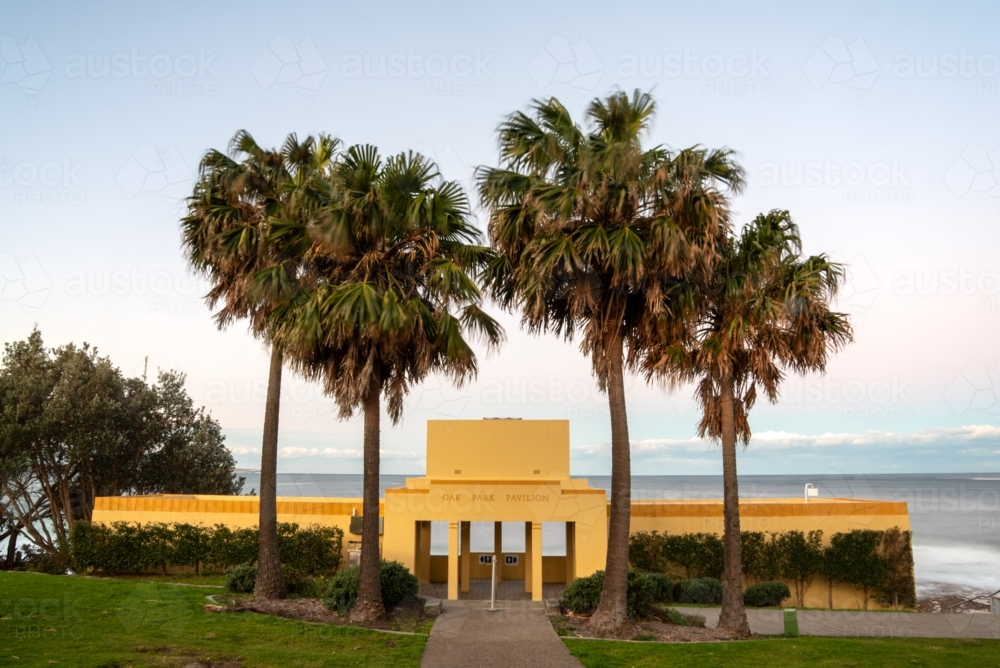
{"points": [[406, 617], [578, 626]]}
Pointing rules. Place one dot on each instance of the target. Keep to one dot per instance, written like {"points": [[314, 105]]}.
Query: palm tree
{"points": [[765, 310], [229, 236], [597, 237], [391, 297]]}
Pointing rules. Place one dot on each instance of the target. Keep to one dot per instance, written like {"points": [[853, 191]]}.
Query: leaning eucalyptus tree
{"points": [[598, 237], [765, 311], [231, 235], [390, 297]]}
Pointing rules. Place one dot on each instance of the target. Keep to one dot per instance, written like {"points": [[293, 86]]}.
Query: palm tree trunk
{"points": [[369, 606], [270, 583], [733, 615], [612, 611]]}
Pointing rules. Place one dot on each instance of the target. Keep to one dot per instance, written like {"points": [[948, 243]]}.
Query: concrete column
{"points": [[421, 552], [570, 551], [498, 548], [452, 561], [527, 557], [536, 561], [466, 555]]}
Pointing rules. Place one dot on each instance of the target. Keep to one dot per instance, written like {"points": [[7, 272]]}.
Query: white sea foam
{"points": [[975, 568]]}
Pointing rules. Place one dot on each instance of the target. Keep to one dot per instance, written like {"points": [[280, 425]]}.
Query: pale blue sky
{"points": [[876, 125]]}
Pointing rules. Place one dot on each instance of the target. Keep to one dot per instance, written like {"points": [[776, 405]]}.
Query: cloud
{"points": [[239, 450], [970, 435], [345, 453]]}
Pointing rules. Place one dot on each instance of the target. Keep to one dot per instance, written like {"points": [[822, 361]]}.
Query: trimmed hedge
{"points": [[879, 564], [766, 594], [133, 548], [397, 583]]}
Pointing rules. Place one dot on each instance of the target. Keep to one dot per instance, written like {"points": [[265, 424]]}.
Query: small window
{"points": [[458, 471]]}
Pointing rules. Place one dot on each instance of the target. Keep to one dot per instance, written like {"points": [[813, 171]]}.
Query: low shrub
{"points": [[241, 579], [674, 617], [39, 561], [342, 590], [766, 594], [397, 583], [706, 591], [640, 595], [584, 594], [663, 587]]}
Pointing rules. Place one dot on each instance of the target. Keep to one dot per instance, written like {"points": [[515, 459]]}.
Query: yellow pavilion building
{"points": [[511, 470]]}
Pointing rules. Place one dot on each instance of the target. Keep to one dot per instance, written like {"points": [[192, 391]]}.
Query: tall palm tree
{"points": [[229, 236], [766, 310], [391, 297], [597, 237]]}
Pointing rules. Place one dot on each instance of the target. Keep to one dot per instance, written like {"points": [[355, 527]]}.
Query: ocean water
{"points": [[955, 517]]}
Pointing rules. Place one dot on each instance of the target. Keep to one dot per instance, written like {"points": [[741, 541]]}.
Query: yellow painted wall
{"points": [[498, 449], [829, 515]]}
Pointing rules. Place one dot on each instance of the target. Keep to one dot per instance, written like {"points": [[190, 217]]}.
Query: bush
{"points": [[663, 587], [675, 617], [39, 561], [241, 579], [583, 594], [298, 583], [705, 591], [640, 595], [342, 591], [766, 594], [397, 583]]}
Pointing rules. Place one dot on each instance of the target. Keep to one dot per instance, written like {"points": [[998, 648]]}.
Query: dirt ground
{"points": [[645, 629], [406, 617]]}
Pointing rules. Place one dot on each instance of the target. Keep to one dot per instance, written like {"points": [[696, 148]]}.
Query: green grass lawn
{"points": [[73, 621], [784, 652]]}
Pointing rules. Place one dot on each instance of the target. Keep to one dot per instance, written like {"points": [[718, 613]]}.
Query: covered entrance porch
{"points": [[525, 571]]}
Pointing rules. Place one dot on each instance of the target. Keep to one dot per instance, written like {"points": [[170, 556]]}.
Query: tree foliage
{"points": [[74, 427]]}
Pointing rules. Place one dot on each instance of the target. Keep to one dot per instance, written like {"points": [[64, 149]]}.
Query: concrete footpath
{"points": [[518, 635], [869, 624]]}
